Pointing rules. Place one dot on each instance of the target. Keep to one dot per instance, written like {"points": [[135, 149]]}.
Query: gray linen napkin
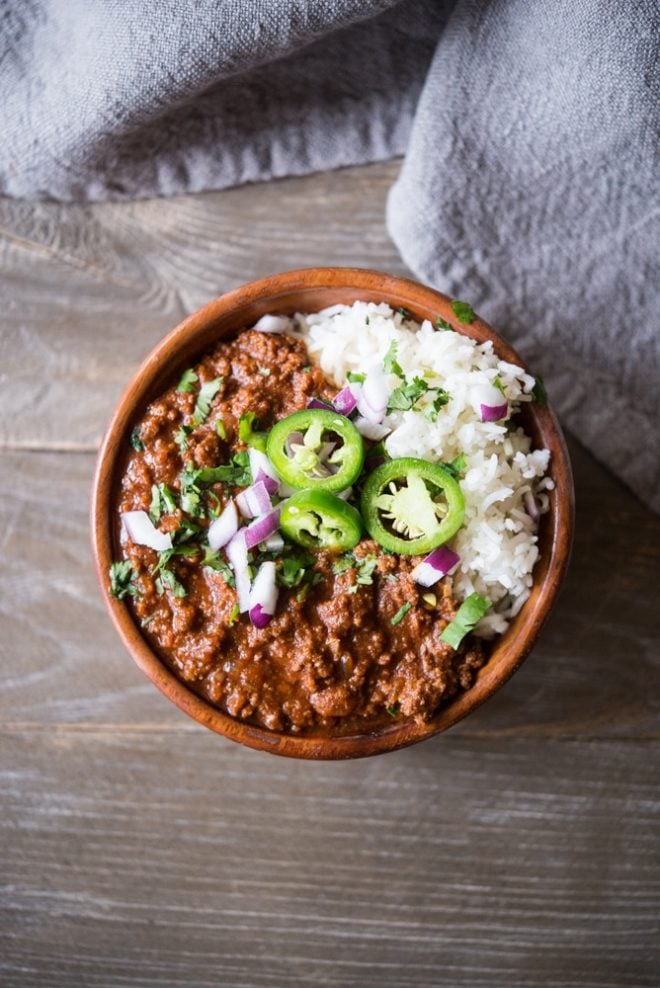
{"points": [[527, 129]]}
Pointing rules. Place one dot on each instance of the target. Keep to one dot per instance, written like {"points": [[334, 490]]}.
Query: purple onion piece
{"points": [[258, 616], [493, 413], [317, 403], [346, 401], [262, 528], [437, 564]]}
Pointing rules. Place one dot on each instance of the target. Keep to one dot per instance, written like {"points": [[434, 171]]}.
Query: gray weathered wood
{"points": [[148, 860], [518, 850]]}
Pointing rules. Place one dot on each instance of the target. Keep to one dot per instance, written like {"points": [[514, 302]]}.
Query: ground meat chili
{"points": [[354, 641]]}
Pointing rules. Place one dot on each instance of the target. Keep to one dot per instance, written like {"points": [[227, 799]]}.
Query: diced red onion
{"points": [[141, 530], [263, 595], [374, 395], [317, 403], [272, 324], [263, 470], [346, 401], [436, 565], [223, 528], [274, 542], [254, 501], [262, 528], [371, 430], [237, 555], [491, 403], [531, 506]]}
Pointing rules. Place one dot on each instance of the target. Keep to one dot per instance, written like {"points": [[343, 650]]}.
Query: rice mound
{"points": [[497, 542]]}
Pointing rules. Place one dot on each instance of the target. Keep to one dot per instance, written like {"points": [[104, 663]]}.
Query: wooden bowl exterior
{"points": [[309, 290]]}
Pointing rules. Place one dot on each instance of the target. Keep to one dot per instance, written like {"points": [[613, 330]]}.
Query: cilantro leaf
{"points": [[207, 393], [187, 381], [122, 576], [401, 613], [167, 580], [162, 502], [441, 323], [295, 569], [463, 311], [457, 466], [393, 710], [390, 363], [355, 378], [221, 429], [181, 438], [249, 435], [135, 441], [406, 313], [233, 615], [407, 394], [217, 562], [471, 610], [439, 400], [539, 392]]}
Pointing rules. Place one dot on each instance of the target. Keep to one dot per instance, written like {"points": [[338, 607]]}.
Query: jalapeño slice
{"points": [[316, 449], [411, 506], [320, 520]]}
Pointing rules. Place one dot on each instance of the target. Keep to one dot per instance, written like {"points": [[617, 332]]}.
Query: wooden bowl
{"points": [[309, 290]]}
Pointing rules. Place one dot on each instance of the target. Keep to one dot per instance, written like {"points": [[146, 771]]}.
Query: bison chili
{"points": [[354, 641]]}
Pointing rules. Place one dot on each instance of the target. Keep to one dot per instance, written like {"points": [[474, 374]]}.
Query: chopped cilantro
{"points": [[539, 392], [186, 531], [122, 576], [441, 323], [233, 615], [219, 564], [221, 429], [188, 381], [393, 710], [207, 393], [236, 472], [162, 502], [355, 378], [463, 311], [347, 561], [181, 438], [438, 401], [497, 383], [249, 435], [167, 554], [295, 569], [390, 363], [457, 466], [135, 441], [363, 565], [406, 313], [167, 580], [405, 396], [471, 610], [401, 613]]}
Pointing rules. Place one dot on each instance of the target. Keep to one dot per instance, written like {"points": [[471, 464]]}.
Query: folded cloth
{"points": [[527, 129]]}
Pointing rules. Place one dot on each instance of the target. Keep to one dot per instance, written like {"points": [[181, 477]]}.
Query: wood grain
{"points": [[190, 861], [68, 667], [519, 850], [87, 291]]}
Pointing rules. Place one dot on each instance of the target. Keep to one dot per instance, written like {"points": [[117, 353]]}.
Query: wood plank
{"points": [[144, 860], [594, 672], [87, 291]]}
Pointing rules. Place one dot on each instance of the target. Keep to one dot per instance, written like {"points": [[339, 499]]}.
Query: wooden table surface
{"points": [[519, 850]]}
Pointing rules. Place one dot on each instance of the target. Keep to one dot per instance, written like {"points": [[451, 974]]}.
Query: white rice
{"points": [[497, 542]]}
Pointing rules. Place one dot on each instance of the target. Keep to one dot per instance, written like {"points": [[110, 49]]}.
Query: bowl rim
{"points": [[161, 363]]}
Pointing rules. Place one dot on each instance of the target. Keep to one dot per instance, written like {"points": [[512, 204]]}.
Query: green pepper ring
{"points": [[329, 510], [293, 475], [399, 469]]}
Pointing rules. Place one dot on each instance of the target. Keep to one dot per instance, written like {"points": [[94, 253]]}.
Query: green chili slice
{"points": [[316, 449], [411, 506], [320, 520]]}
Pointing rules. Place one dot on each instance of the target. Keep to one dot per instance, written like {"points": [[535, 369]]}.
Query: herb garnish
{"points": [[390, 364], [217, 563], [135, 441], [401, 613], [457, 466], [122, 576], [233, 615], [363, 565], [248, 434], [406, 313], [355, 378], [407, 394], [221, 429], [181, 438], [463, 311], [162, 502], [167, 580], [441, 323], [207, 393], [471, 610], [432, 408], [188, 381], [539, 392], [393, 710]]}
